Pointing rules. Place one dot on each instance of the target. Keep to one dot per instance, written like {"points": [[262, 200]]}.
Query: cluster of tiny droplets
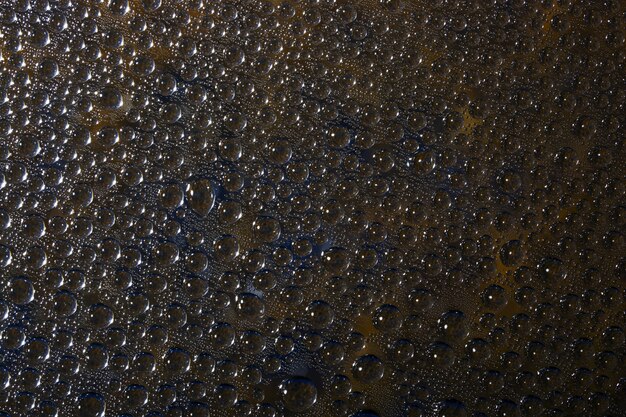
{"points": [[312, 207]]}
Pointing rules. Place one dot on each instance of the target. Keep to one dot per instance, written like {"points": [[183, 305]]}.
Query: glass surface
{"points": [[312, 207]]}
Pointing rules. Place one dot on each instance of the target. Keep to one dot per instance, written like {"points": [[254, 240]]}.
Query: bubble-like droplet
{"points": [[320, 314], [494, 297], [512, 253], [368, 369], [91, 405], [101, 316], [298, 393], [201, 197], [250, 306], [21, 290]]}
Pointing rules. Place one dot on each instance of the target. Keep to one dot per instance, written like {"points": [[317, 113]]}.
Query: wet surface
{"points": [[319, 208]]}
